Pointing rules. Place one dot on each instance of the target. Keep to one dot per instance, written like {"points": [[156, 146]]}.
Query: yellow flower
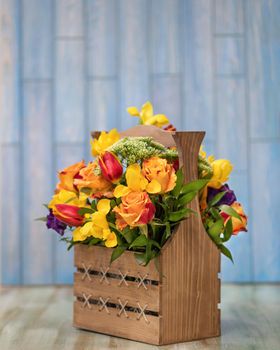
{"points": [[67, 197], [105, 140], [221, 171], [136, 182], [98, 227], [147, 117]]}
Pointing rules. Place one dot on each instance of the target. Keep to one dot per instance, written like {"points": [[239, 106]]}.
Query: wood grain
{"points": [[100, 257], [111, 324], [190, 264], [115, 289]]}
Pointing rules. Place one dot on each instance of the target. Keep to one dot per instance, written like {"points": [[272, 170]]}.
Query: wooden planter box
{"points": [[174, 302]]}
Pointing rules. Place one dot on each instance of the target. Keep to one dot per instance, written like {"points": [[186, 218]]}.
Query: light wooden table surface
{"points": [[39, 318]]}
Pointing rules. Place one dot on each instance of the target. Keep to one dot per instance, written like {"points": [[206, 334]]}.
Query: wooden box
{"points": [[174, 302]]}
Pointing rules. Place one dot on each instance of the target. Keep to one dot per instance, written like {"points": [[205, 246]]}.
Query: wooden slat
{"points": [[69, 86], [264, 188], [230, 57], [229, 16], [167, 98], [9, 69], [263, 18], [37, 182], [231, 116], [129, 328], [37, 38], [134, 71], [69, 18], [103, 104], [197, 70], [102, 38], [165, 46], [190, 263], [100, 257], [10, 210], [132, 292]]}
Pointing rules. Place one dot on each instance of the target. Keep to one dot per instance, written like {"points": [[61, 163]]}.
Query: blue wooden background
{"points": [[71, 66]]}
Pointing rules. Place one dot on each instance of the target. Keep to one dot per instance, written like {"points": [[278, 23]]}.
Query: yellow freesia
{"points": [[221, 171], [136, 182], [146, 115], [203, 154], [98, 227], [105, 140], [67, 197]]}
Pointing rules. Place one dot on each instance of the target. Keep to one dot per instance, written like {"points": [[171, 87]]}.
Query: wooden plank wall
{"points": [[71, 66]]}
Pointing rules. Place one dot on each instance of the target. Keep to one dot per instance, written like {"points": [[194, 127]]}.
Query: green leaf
{"points": [[117, 252], [140, 241], [144, 230], [155, 243], [179, 183], [84, 211], [94, 241], [43, 218], [71, 244], [140, 258], [113, 203], [129, 234], [195, 185], [215, 213], [178, 215], [216, 229], [228, 231], [230, 211], [216, 199], [224, 250], [187, 198], [46, 206], [93, 205]]}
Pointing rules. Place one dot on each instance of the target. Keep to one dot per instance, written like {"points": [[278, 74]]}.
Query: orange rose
{"points": [[158, 169], [237, 225], [67, 176], [89, 179], [136, 209]]}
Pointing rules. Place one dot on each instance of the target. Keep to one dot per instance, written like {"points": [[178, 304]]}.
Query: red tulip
{"points": [[69, 214], [111, 167]]}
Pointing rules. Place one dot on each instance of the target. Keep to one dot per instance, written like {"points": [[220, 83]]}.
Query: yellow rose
{"points": [[159, 170]]}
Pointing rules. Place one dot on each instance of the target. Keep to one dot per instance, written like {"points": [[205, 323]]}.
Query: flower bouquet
{"points": [[140, 217]]}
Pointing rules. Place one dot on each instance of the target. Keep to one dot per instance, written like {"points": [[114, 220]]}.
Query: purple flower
{"points": [[228, 198], [55, 224]]}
